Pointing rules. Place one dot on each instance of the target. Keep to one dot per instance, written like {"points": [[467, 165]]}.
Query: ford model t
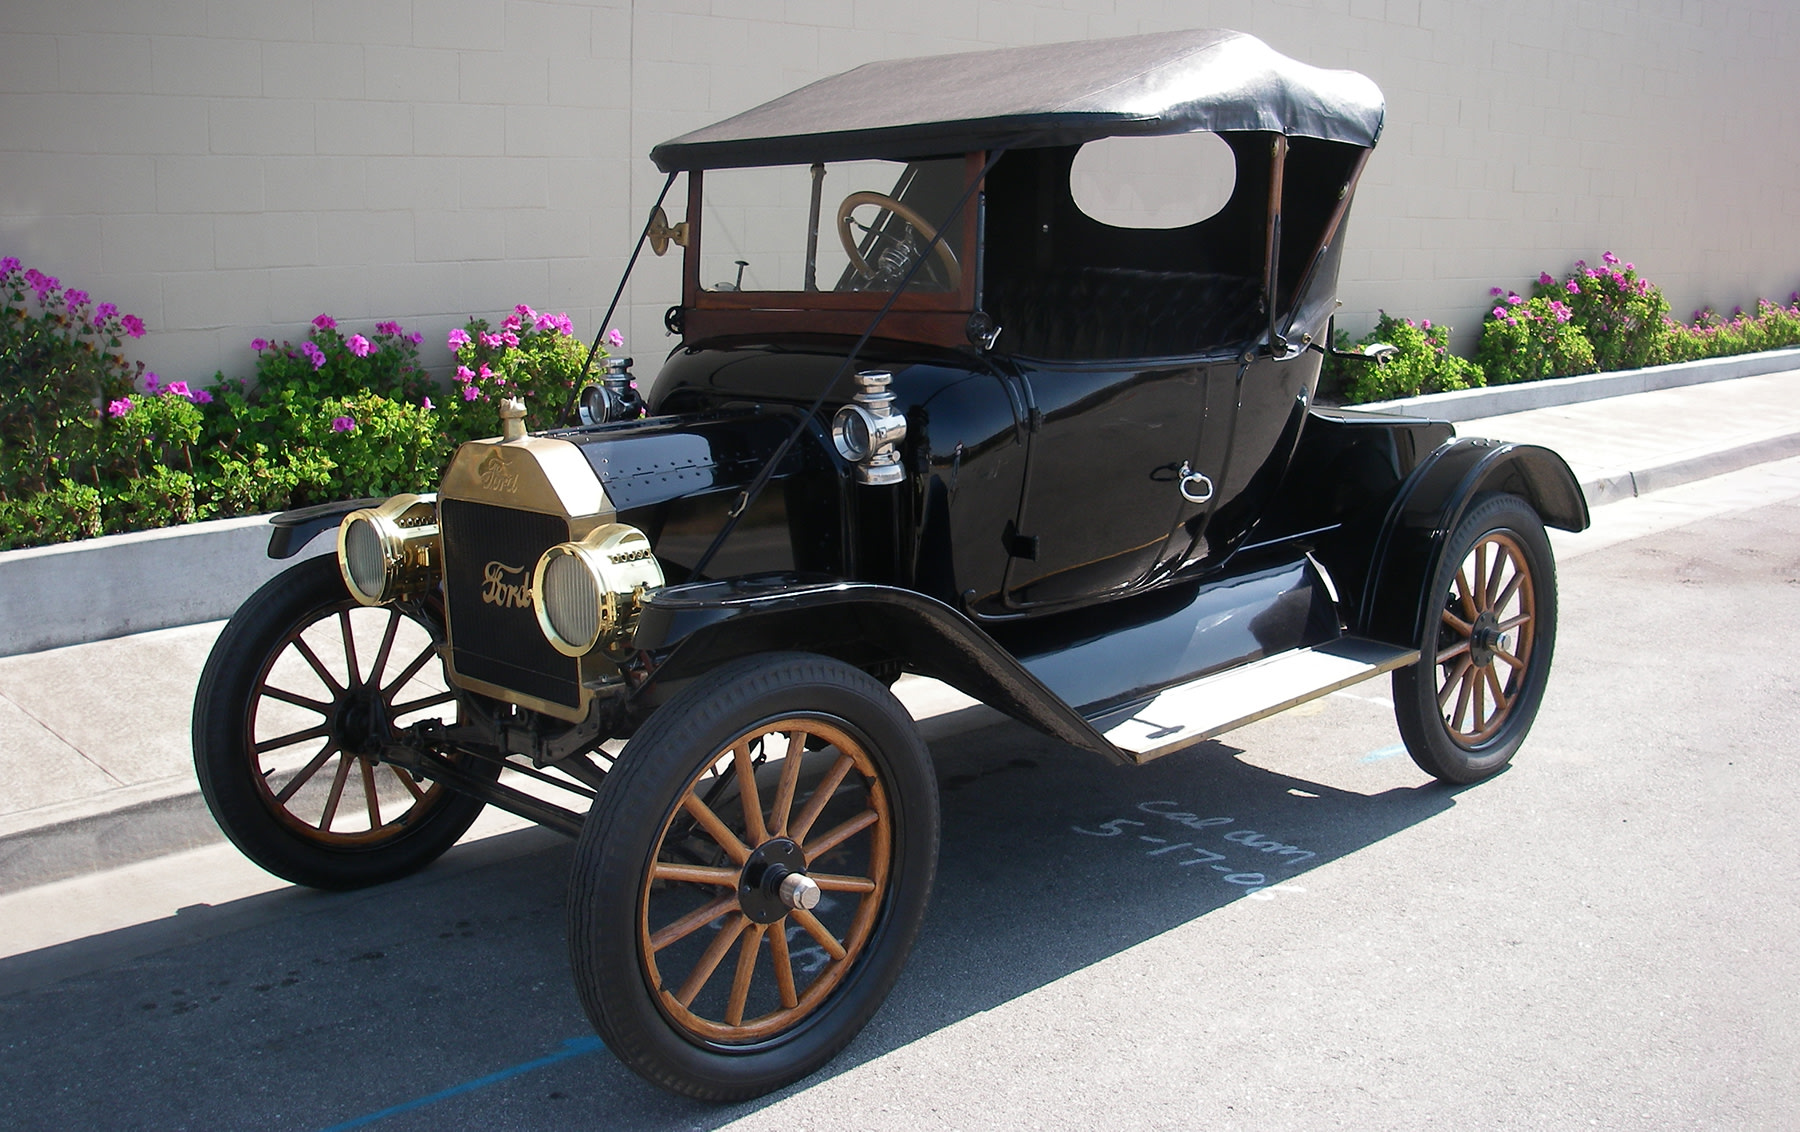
{"points": [[956, 425]]}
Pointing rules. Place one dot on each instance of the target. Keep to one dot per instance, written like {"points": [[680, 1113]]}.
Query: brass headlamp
{"points": [[392, 550], [587, 593]]}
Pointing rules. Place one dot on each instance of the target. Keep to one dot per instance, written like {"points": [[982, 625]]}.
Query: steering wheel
{"points": [[846, 233]]}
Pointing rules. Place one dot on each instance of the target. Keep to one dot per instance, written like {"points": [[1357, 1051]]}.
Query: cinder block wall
{"points": [[230, 168]]}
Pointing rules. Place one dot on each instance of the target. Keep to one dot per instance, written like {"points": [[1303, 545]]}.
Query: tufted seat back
{"points": [[1116, 312]]}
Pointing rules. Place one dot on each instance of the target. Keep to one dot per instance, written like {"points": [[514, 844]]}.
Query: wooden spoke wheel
{"points": [[752, 875], [301, 692], [1466, 706]]}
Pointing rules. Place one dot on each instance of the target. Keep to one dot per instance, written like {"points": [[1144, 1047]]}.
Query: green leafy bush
{"points": [[534, 356], [1529, 339], [1711, 335], [1622, 316], [1422, 363]]}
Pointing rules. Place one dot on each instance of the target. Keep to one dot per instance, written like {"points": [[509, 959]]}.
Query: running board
{"points": [[1212, 705]]}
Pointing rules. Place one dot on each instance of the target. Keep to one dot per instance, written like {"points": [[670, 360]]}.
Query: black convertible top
{"points": [[1053, 94]]}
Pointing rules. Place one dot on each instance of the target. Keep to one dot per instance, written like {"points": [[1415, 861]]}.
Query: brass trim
{"points": [[537, 473], [412, 547], [621, 567]]}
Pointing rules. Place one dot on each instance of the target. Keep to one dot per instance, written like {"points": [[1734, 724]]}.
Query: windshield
{"points": [[847, 226]]}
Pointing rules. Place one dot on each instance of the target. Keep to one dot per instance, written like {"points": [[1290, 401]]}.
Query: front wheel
{"points": [[753, 875], [302, 689], [1465, 707]]}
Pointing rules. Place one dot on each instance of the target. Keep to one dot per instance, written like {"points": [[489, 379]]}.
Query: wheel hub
{"points": [[360, 722], [774, 880], [1483, 637]]}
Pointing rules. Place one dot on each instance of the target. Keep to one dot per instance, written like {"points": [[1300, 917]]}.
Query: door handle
{"points": [[1195, 486]]}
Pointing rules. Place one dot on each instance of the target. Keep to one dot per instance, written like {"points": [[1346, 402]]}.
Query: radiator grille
{"points": [[489, 553]]}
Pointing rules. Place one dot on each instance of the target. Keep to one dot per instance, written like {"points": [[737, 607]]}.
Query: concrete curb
{"points": [[1497, 400], [116, 585], [1627, 485]]}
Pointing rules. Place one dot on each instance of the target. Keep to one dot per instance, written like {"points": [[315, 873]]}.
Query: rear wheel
{"points": [[752, 876], [301, 691], [1466, 706]]}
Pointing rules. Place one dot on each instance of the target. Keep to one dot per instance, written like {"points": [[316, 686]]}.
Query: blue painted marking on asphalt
{"points": [[572, 1047], [1385, 753]]}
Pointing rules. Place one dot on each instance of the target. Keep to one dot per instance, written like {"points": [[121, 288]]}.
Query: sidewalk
{"points": [[95, 766]]}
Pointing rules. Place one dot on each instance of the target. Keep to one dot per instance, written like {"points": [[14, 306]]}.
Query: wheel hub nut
{"points": [[800, 891]]}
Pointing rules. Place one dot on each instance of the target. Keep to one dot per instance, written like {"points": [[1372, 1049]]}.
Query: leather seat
{"points": [[1115, 312]]}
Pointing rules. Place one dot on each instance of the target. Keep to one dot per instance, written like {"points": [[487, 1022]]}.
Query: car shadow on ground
{"points": [[299, 1009]]}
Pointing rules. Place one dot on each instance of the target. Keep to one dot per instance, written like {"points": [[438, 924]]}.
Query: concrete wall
{"points": [[228, 168]]}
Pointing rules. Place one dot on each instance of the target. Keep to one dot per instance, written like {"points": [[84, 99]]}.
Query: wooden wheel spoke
{"points": [[337, 791], [406, 780], [1479, 593], [1480, 716], [784, 968], [1512, 587], [1467, 686], [288, 697], [716, 829], [709, 960], [821, 795], [1515, 622], [1458, 623], [398, 710], [1503, 558], [1493, 680], [1454, 651], [745, 769], [693, 922], [318, 666], [1509, 658], [843, 832], [307, 771], [783, 807], [369, 792], [1462, 595], [746, 970], [1453, 680], [410, 670], [832, 882], [820, 933], [290, 739], [695, 874], [387, 646], [349, 633]]}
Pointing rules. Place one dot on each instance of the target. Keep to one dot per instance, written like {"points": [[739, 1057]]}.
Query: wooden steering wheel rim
{"points": [[905, 212]]}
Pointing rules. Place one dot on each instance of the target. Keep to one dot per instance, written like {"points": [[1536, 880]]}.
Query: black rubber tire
{"points": [[635, 804], [1424, 727], [226, 765]]}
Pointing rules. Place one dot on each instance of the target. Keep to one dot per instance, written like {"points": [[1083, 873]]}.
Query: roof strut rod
{"points": [[748, 496], [1271, 277], [575, 393]]}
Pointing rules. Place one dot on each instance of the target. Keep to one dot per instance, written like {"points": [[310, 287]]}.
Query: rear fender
{"points": [[703, 624], [1430, 505]]}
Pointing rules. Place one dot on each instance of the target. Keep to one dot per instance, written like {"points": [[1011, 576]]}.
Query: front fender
{"points": [[1433, 501], [703, 624], [294, 529]]}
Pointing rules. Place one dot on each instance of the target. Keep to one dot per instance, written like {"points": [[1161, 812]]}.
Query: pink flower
{"points": [[9, 265], [523, 311], [470, 392], [1425, 324], [510, 322], [425, 403], [458, 339], [1499, 312], [179, 389], [313, 354], [151, 381], [510, 338], [343, 424], [485, 372], [614, 338], [200, 397], [325, 322], [1608, 257], [103, 312], [118, 408], [1513, 300], [388, 328], [360, 346], [1572, 287], [492, 341], [1496, 292], [134, 326], [75, 298], [1544, 279], [465, 374], [259, 344], [415, 338], [544, 322]]}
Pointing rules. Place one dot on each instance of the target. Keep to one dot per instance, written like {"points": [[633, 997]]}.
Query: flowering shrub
{"points": [[59, 367], [1422, 363], [1528, 339], [1622, 315], [534, 355], [1712, 335]]}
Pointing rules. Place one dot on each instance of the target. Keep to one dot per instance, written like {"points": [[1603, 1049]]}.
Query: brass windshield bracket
{"points": [[662, 235]]}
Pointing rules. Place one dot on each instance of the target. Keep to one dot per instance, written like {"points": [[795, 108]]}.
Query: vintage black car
{"points": [[1073, 468]]}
